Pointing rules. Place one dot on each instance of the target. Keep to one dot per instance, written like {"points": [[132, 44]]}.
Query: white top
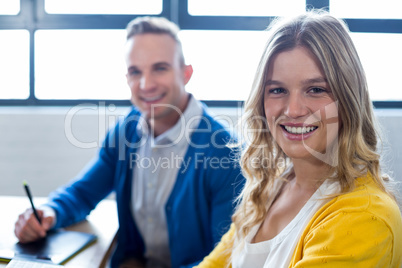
{"points": [[278, 251], [157, 164]]}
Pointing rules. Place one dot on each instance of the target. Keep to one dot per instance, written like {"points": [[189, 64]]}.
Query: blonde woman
{"points": [[315, 195]]}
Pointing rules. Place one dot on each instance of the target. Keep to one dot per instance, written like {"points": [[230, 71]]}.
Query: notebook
{"points": [[20, 263], [57, 247]]}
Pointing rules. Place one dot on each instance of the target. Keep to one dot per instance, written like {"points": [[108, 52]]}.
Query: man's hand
{"points": [[27, 227]]}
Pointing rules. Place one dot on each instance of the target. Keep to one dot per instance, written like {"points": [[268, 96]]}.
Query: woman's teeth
{"points": [[299, 130]]}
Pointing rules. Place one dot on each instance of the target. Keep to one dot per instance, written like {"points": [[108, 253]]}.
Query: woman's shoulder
{"points": [[362, 227], [366, 199]]}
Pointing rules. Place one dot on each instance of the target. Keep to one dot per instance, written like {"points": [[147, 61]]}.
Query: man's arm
{"points": [[228, 186], [72, 203], [225, 184], [75, 201]]}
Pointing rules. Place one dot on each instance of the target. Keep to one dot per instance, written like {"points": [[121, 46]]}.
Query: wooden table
{"points": [[102, 222]]}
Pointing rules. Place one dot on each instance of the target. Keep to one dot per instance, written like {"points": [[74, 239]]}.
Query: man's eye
{"points": [[160, 69], [134, 72]]}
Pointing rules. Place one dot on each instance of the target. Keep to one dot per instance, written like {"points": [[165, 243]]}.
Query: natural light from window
{"points": [[381, 57], [14, 64], [9, 7], [224, 62], [367, 9], [103, 6], [89, 64], [245, 8], [80, 64]]}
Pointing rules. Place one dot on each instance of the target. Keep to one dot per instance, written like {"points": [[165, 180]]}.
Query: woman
{"points": [[315, 195]]}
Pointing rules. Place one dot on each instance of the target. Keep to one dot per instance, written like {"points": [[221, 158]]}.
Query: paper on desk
{"points": [[20, 263]]}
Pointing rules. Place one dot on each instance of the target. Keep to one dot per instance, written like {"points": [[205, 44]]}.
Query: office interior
{"points": [[56, 106]]}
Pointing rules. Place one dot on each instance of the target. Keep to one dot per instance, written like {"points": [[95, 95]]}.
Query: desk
{"points": [[102, 222]]}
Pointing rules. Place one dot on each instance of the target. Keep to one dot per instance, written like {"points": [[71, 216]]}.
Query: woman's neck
{"points": [[309, 175]]}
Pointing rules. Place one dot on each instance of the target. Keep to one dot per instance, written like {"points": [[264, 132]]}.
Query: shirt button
{"points": [[150, 220], [150, 185]]}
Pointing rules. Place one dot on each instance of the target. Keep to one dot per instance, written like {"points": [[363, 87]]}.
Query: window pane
{"points": [[103, 6], [245, 8], [369, 9], [9, 7], [14, 64], [381, 56], [224, 62], [80, 64]]}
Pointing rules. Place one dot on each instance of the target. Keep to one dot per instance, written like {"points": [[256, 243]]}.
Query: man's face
{"points": [[156, 76]]}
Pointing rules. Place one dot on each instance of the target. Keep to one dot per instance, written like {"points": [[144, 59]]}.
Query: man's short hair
{"points": [[155, 25]]}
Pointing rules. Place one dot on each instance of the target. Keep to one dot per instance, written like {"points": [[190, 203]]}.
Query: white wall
{"points": [[391, 126], [47, 146]]}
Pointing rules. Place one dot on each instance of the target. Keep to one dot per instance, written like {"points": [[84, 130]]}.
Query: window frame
{"points": [[32, 17]]}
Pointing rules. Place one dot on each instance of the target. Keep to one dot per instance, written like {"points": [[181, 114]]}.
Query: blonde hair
{"points": [[327, 38]]}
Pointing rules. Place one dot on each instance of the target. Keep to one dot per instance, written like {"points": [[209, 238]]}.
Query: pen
{"points": [[30, 200]]}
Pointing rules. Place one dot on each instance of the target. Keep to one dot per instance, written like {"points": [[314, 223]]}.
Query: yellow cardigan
{"points": [[362, 228]]}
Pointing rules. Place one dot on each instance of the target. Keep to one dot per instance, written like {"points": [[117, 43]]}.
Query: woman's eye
{"points": [[317, 90], [276, 91]]}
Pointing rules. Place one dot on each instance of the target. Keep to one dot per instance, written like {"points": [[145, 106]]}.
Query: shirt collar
{"points": [[183, 128]]}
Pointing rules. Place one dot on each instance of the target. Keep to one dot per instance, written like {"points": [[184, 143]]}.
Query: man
{"points": [[167, 162]]}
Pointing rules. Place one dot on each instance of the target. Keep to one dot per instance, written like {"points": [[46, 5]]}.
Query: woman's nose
{"points": [[296, 106]]}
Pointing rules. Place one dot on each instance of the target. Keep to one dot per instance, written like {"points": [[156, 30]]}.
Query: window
{"points": [[224, 62], [103, 6], [14, 64], [80, 64], [9, 7], [65, 52], [245, 8], [381, 61], [367, 9]]}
